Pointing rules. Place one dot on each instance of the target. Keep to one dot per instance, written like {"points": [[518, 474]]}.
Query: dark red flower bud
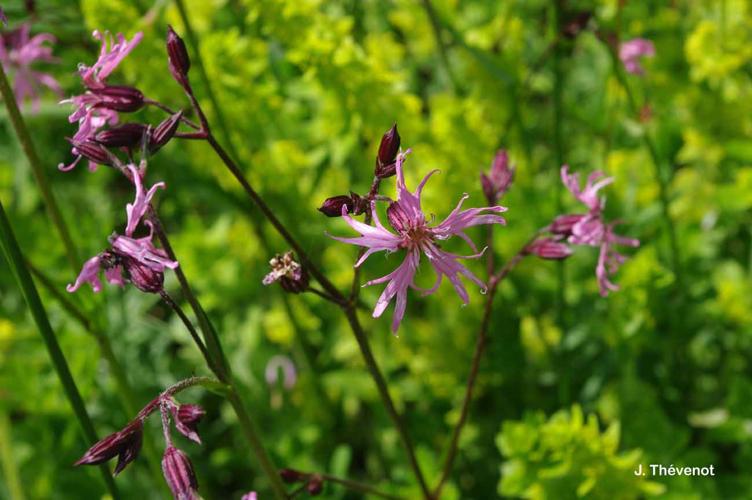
{"points": [[92, 151], [562, 225], [177, 58], [388, 149], [315, 485], [332, 207], [141, 276], [386, 165], [127, 135], [125, 444], [291, 476], [164, 132], [548, 248], [119, 98], [187, 418], [178, 472], [499, 178]]}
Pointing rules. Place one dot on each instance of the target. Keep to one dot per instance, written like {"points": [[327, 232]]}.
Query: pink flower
{"points": [[631, 51], [136, 259], [499, 178], [251, 495], [94, 76], [18, 51], [97, 107], [413, 233], [590, 229]]}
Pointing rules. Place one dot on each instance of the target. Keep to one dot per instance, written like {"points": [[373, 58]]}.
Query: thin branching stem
{"points": [[16, 262], [480, 345], [359, 487]]}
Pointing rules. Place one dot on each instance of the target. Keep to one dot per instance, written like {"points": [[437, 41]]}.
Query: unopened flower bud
{"points": [[499, 178], [354, 204], [178, 472], [177, 58], [92, 151], [388, 149], [125, 444], [127, 135], [187, 417], [315, 485], [119, 98], [548, 248], [164, 132], [563, 224], [290, 274], [291, 476], [142, 276]]}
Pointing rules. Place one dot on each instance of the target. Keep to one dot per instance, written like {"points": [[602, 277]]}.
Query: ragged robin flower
{"points": [[414, 233]]}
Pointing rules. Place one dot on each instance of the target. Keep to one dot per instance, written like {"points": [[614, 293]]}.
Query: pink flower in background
{"points": [[590, 229], [136, 259], [18, 51], [631, 51], [251, 495], [99, 104], [413, 233], [499, 178]]}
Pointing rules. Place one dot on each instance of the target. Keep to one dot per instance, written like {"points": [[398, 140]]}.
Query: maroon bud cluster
{"points": [[352, 203], [386, 165], [124, 444], [177, 58], [292, 476]]}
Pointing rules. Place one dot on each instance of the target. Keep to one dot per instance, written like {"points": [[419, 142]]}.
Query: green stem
{"points": [[660, 177], [386, 398], [125, 390], [31, 295], [218, 363], [36, 168], [437, 34], [8, 460], [558, 120]]}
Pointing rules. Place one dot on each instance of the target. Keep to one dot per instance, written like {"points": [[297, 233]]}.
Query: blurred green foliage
{"points": [[661, 368]]}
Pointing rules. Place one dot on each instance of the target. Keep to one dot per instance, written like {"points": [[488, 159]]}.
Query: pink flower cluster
{"points": [[99, 104], [128, 258], [18, 52]]}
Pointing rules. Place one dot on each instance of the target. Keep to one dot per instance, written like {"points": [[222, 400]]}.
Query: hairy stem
{"points": [[15, 259]]}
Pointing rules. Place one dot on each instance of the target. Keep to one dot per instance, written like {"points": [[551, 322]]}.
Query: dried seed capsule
{"points": [[127, 135]]}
